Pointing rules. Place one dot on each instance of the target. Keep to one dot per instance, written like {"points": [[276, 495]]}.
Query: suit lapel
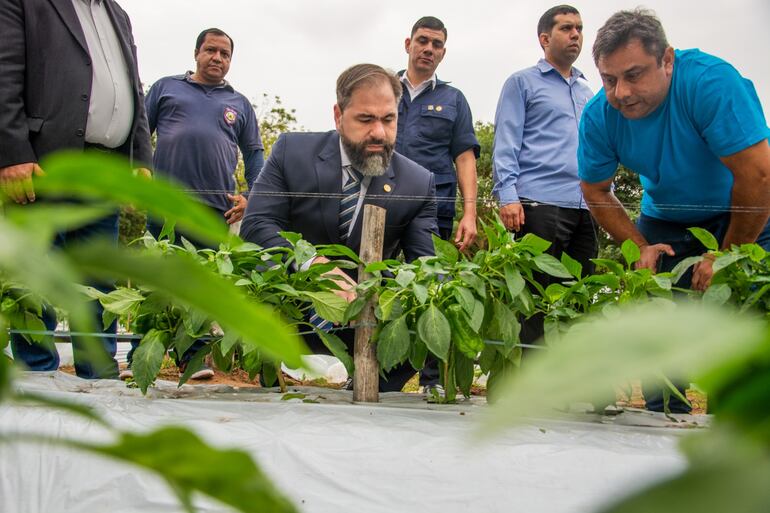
{"points": [[70, 18], [329, 173]]}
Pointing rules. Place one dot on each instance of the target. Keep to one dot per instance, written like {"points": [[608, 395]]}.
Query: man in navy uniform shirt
{"points": [[435, 129]]}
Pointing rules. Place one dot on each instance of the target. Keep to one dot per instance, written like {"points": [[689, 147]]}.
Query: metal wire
{"points": [[490, 200], [127, 336]]}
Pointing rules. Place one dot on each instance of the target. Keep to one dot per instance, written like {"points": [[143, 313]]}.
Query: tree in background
{"points": [[274, 119]]}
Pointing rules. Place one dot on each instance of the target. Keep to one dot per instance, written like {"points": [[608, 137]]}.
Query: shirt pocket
{"points": [[437, 122]]}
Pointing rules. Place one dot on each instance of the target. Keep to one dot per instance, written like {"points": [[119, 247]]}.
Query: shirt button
{"points": [[80, 132], [84, 97]]}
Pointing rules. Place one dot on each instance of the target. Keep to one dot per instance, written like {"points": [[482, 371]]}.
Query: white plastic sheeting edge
{"points": [[399, 456]]}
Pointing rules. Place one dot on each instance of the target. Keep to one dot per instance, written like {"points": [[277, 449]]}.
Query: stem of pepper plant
{"points": [[281, 381]]}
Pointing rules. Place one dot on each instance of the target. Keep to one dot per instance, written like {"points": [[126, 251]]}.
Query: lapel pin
{"points": [[386, 187]]}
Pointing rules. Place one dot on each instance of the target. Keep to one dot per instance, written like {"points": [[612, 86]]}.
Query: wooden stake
{"points": [[366, 379]]}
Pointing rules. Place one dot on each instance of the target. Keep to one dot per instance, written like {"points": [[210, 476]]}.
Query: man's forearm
{"points": [[750, 195], [610, 214], [467, 181]]}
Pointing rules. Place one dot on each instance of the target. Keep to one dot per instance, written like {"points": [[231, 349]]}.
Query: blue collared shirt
{"points": [[536, 137]]}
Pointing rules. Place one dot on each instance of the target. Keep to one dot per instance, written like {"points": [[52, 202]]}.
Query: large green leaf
{"points": [[190, 465], [328, 305], [433, 329], [393, 344], [705, 237], [148, 358], [44, 220], [48, 273], [446, 252], [631, 252], [514, 281], [574, 267], [735, 483], [550, 265], [121, 300], [107, 177], [680, 342], [338, 349], [182, 278]]}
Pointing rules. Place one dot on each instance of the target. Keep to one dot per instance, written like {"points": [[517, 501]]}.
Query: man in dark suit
{"points": [[350, 167], [68, 80]]}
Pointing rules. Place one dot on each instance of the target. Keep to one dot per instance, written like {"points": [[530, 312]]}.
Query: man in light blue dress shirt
{"points": [[535, 149]]}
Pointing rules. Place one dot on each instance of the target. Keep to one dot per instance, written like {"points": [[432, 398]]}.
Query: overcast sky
{"points": [[297, 48]]}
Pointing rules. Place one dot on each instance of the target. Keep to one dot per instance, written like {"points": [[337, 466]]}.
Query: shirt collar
{"points": [[433, 81], [344, 155], [544, 66], [188, 78]]}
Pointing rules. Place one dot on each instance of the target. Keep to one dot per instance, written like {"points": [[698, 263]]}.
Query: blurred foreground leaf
{"points": [[643, 341], [107, 177], [188, 464]]}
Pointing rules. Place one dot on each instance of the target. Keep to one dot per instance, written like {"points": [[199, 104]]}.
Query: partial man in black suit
{"points": [[354, 165], [68, 80]]}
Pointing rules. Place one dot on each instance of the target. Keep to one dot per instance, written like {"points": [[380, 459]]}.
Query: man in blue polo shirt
{"points": [[201, 122], [693, 129], [535, 150], [435, 129]]}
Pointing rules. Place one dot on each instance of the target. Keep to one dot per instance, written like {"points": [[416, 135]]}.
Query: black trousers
{"points": [[569, 230]]}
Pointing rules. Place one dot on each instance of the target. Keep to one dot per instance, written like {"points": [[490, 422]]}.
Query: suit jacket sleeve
{"points": [[269, 208], [15, 147], [417, 240], [142, 148]]}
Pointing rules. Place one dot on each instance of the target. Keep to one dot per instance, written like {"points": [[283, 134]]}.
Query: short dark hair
{"points": [[548, 19], [216, 32], [625, 26], [364, 75], [429, 22]]}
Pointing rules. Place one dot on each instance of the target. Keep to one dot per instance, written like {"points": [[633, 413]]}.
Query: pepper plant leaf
{"points": [[631, 252], [337, 348], [433, 329], [550, 265], [148, 358], [185, 280], [393, 344], [706, 238]]}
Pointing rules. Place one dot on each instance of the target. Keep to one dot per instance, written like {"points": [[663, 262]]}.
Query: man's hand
{"points": [[16, 181], [703, 272], [512, 216], [466, 232], [235, 214], [649, 255], [344, 282]]}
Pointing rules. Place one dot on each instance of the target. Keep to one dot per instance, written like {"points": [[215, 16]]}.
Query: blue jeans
{"points": [[43, 356], [684, 245]]}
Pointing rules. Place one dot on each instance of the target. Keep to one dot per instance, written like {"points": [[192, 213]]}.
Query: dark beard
{"points": [[366, 162]]}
